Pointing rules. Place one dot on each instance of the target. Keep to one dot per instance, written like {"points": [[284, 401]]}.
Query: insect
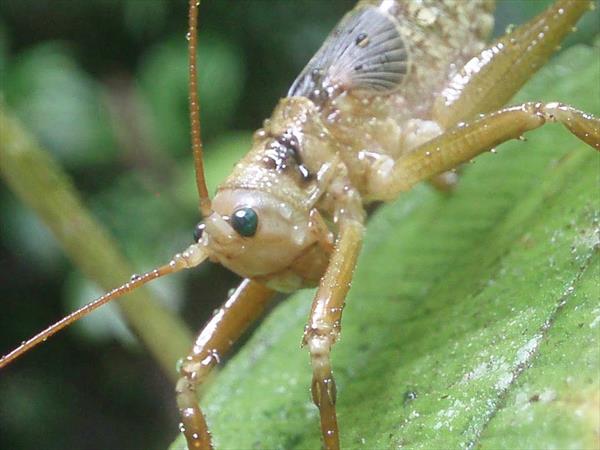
{"points": [[284, 145]]}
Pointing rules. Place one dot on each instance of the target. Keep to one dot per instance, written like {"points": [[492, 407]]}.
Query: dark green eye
{"points": [[245, 221]]}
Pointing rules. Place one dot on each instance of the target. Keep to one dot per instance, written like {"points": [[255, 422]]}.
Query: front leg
{"points": [[245, 305], [324, 325]]}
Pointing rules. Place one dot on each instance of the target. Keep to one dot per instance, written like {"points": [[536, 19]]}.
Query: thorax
{"points": [[438, 37]]}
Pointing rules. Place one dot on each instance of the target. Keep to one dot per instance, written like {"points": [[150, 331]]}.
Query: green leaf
{"points": [[164, 79], [47, 89], [473, 319]]}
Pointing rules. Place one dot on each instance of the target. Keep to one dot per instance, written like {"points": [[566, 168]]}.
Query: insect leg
{"points": [[489, 80], [244, 306], [324, 325], [468, 140]]}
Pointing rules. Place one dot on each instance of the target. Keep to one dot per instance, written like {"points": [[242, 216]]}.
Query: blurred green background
{"points": [[103, 85]]}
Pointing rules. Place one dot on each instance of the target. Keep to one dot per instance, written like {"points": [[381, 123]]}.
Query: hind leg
{"points": [[470, 139]]}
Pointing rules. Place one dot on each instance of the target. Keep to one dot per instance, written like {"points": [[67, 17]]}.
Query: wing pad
{"points": [[365, 52]]}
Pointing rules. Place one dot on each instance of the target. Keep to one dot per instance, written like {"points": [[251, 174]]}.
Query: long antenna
{"points": [[197, 148], [191, 257]]}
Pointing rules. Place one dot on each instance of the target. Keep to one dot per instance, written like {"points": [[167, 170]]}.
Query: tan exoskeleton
{"points": [[399, 93]]}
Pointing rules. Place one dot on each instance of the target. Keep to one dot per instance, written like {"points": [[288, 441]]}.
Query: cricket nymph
{"points": [[355, 107]]}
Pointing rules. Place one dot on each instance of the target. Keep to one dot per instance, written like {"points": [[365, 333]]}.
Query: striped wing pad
{"points": [[364, 52]]}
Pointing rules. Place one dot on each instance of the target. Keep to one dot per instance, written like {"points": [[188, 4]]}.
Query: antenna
{"points": [[191, 257], [197, 148]]}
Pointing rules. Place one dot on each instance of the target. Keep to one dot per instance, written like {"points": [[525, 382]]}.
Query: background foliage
{"points": [[102, 85]]}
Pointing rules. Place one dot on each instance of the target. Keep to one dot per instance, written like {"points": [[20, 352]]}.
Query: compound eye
{"points": [[244, 221]]}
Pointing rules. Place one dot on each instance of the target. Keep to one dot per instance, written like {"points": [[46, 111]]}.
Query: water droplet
{"points": [[215, 354], [199, 231], [569, 290], [362, 39], [409, 396]]}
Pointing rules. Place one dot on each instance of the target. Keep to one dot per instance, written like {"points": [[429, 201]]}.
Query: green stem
{"points": [[38, 180]]}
